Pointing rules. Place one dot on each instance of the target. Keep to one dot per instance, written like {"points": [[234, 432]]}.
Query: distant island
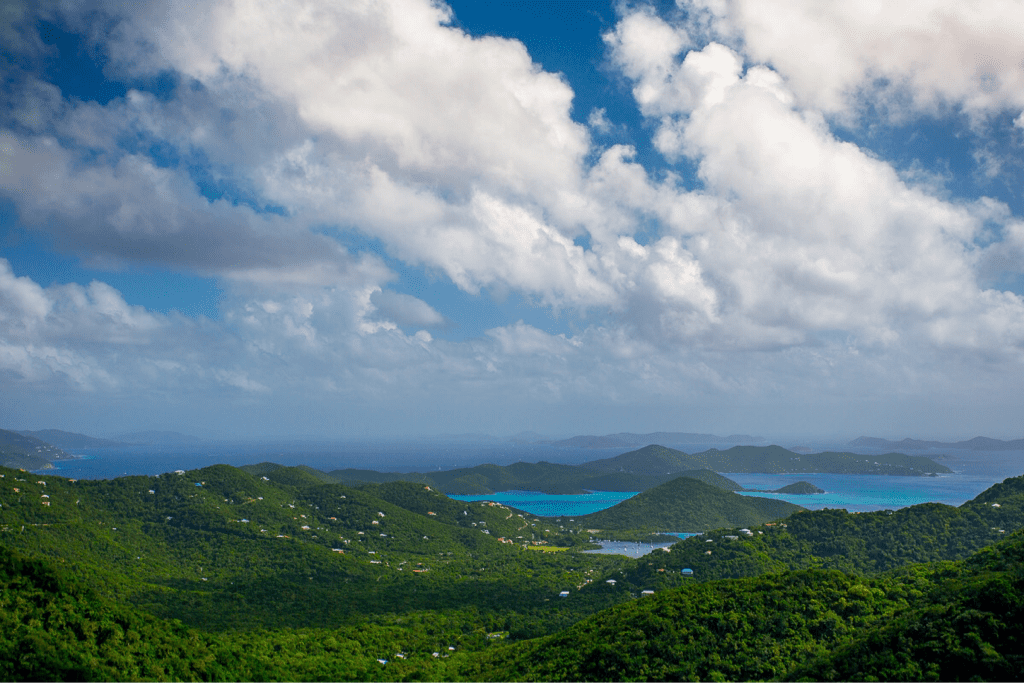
{"points": [[27, 452], [686, 503], [646, 468], [800, 488], [627, 439], [978, 443], [62, 439]]}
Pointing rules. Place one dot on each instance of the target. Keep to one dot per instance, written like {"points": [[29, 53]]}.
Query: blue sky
{"points": [[411, 217]]}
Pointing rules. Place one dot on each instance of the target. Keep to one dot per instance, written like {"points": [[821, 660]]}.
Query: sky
{"points": [[390, 218]]}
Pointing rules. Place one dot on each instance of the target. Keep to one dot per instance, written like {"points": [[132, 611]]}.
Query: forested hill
{"points": [[219, 574], [768, 459], [951, 621], [27, 452], [645, 468], [62, 439], [223, 548], [687, 505], [545, 477], [857, 543]]}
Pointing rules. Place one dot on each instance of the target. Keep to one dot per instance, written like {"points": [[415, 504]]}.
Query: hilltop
{"points": [[856, 543], [27, 452], [544, 477], [686, 505], [645, 468], [62, 439], [800, 488]]}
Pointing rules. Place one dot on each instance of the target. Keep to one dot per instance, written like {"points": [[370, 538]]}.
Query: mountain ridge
{"points": [[978, 443], [688, 505], [27, 452], [626, 439], [62, 439]]}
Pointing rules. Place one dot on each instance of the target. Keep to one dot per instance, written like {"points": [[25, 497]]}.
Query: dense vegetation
{"points": [[225, 574], [545, 477], [689, 505], [950, 621], [801, 488], [62, 439], [27, 452]]}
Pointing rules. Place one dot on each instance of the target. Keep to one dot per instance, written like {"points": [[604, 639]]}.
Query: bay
{"points": [[554, 505], [868, 492]]}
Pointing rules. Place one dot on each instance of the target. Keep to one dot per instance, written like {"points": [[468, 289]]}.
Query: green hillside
{"points": [[864, 543], [967, 628], [62, 439], [544, 477], [942, 622], [221, 548], [276, 574], [686, 504], [800, 488], [651, 459], [27, 452]]}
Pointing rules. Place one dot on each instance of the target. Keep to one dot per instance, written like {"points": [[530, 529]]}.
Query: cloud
{"points": [[806, 234], [920, 56], [406, 310], [794, 264], [370, 75], [598, 120]]}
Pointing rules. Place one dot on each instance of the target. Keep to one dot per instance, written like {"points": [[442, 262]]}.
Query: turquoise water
{"points": [[550, 505], [867, 492], [853, 492], [974, 472]]}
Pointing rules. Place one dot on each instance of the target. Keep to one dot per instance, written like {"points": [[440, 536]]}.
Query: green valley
{"points": [[277, 573]]}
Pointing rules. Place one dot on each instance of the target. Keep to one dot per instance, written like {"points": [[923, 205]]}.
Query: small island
{"points": [[800, 488]]}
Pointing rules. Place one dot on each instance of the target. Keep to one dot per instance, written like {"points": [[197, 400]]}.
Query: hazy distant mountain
{"points": [[153, 437], [651, 459], [545, 477], [63, 439], [628, 439], [768, 459], [978, 443], [27, 452], [644, 469]]}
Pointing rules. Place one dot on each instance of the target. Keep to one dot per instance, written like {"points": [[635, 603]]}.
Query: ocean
{"points": [[393, 456], [973, 471]]}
